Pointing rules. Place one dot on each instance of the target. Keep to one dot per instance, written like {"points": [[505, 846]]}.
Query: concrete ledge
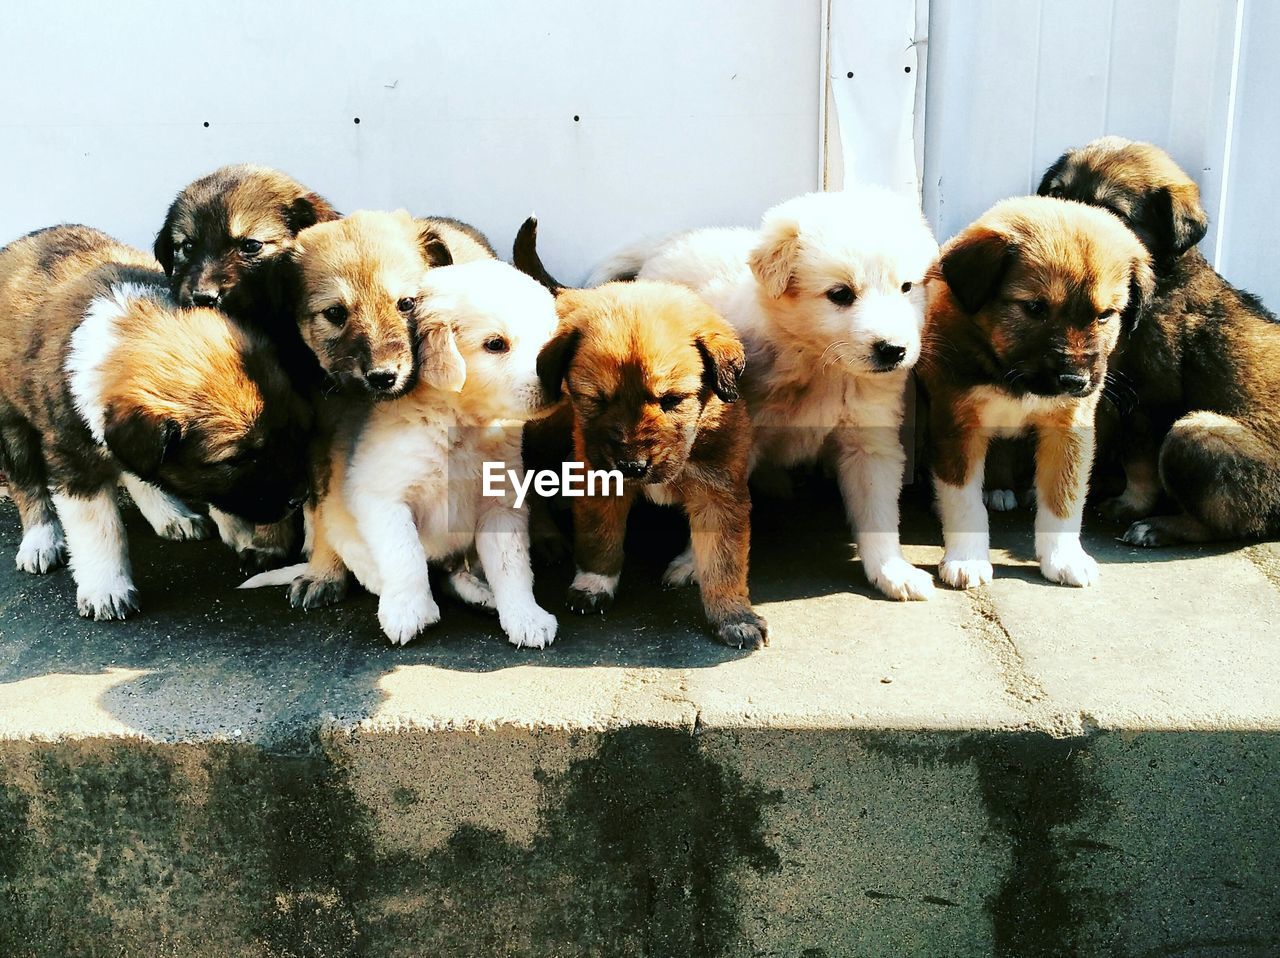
{"points": [[1023, 771]]}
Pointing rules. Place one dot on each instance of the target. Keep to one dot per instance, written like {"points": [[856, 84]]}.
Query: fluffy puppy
{"points": [[1025, 307], [1202, 362], [651, 372], [104, 381], [465, 243], [828, 300], [363, 340], [222, 244], [403, 479]]}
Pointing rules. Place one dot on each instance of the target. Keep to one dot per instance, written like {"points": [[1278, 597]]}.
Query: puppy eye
{"points": [[335, 314], [186, 247], [251, 247], [1106, 315], [496, 344], [906, 287], [671, 402], [841, 295], [406, 304], [1036, 307]]}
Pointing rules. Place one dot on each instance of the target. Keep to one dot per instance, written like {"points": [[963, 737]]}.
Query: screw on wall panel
{"points": [[906, 69], [849, 74], [206, 124], [357, 121], [576, 118]]}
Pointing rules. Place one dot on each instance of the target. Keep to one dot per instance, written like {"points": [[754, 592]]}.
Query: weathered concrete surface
{"points": [[1022, 771]]}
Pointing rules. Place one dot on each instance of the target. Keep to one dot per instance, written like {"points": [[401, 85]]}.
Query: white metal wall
{"points": [[610, 120], [1013, 83]]}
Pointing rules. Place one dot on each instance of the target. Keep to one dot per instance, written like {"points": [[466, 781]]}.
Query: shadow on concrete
{"points": [[205, 655]]}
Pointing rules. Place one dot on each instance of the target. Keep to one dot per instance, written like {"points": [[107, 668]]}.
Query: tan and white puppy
{"points": [[405, 478], [104, 381], [827, 297], [1025, 309]]}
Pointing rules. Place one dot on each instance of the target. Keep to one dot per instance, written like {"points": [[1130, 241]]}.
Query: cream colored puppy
{"points": [[828, 298], [405, 477]]}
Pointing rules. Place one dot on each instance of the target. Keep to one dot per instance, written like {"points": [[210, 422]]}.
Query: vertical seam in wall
{"points": [[1219, 235], [1035, 101], [1106, 83], [824, 93]]}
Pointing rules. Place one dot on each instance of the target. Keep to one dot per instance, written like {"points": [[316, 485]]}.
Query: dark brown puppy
{"points": [[651, 372], [104, 381], [1202, 361], [223, 243], [1024, 310]]}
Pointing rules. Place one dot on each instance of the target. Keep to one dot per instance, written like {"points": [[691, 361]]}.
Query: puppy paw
{"points": [[591, 592], [742, 630], [529, 627], [1150, 534], [181, 528], [471, 590], [1070, 566], [254, 560], [899, 579], [680, 572], [965, 573], [1000, 500], [107, 604], [405, 615], [42, 550], [1122, 509], [306, 593]]}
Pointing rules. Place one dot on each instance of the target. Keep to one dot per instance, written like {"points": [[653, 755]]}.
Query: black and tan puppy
{"points": [[651, 373], [1202, 360], [1024, 310], [103, 381], [224, 241]]}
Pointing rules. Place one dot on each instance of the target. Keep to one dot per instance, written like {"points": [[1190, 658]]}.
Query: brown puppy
{"points": [[1024, 311], [104, 381], [1201, 367], [363, 337], [223, 241], [651, 372]]}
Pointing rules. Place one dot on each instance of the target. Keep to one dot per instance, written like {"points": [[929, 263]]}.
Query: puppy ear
{"points": [[163, 246], [975, 264], [723, 360], [140, 441], [1052, 173], [434, 249], [1174, 219], [774, 261], [308, 210], [442, 364], [556, 357], [524, 256], [1142, 285]]}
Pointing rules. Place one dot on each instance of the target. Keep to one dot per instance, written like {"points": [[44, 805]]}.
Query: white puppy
{"points": [[829, 301], [405, 477]]}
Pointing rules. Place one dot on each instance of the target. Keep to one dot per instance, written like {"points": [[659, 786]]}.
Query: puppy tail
{"points": [[524, 256], [271, 577], [624, 265]]}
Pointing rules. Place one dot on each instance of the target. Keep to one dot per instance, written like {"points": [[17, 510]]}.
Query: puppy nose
{"points": [[1073, 383], [206, 297], [381, 379], [889, 354], [632, 468]]}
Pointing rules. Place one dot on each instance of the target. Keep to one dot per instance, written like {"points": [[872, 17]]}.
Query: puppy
{"points": [[363, 341], [1201, 365], [651, 372], [104, 381], [828, 300], [1025, 307], [222, 244], [403, 480]]}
